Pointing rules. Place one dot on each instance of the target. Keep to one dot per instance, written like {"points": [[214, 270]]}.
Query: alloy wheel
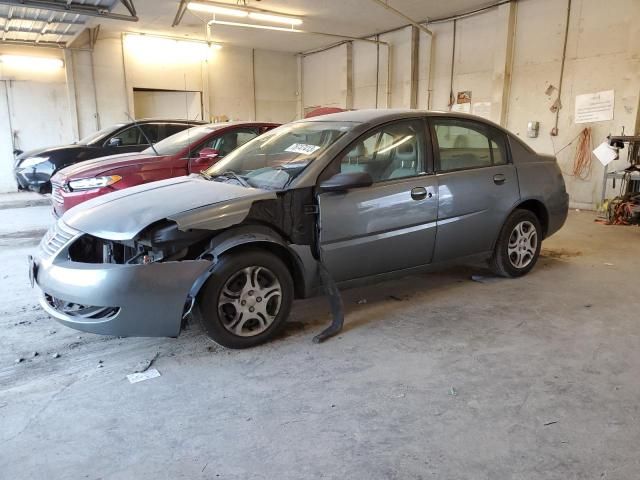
{"points": [[523, 244], [250, 301]]}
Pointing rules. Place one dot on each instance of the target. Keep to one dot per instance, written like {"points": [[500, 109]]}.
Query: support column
{"points": [[415, 59], [349, 93], [71, 92], [503, 58]]}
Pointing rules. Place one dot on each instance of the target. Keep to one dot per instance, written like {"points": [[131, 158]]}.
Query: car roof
{"points": [[166, 120], [238, 123], [379, 116]]}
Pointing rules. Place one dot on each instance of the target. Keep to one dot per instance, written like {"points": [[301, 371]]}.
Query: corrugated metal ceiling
{"points": [[40, 25]]}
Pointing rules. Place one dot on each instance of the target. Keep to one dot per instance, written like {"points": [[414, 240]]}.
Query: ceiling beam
{"points": [[77, 8]]}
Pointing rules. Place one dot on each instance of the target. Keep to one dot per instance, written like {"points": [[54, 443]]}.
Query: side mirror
{"points": [[115, 142], [208, 153], [341, 182], [206, 157]]}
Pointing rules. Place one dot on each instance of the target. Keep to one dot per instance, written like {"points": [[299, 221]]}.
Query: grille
{"points": [[56, 238], [77, 310], [56, 193]]}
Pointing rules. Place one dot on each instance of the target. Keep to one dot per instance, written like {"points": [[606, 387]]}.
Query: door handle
{"points": [[420, 193], [499, 179]]}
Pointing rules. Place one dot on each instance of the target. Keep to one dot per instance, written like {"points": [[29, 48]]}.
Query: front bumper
{"points": [[114, 299], [33, 178]]}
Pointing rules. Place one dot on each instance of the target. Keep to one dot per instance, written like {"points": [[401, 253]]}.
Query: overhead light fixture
{"points": [[253, 25], [243, 12], [158, 49], [267, 17], [209, 8], [31, 63]]}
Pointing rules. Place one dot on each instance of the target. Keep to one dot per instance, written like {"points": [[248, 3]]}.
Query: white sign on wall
{"points": [[594, 107], [482, 109]]}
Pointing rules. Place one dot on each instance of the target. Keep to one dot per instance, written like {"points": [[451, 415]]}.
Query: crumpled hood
{"points": [[192, 202], [101, 165]]}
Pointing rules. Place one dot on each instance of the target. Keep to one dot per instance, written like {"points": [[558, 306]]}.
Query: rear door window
{"points": [[465, 144]]}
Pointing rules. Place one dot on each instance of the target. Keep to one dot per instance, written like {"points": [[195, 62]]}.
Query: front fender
{"points": [[242, 235]]}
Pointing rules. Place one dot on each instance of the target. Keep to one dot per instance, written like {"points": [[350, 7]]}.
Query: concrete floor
{"points": [[435, 376]]}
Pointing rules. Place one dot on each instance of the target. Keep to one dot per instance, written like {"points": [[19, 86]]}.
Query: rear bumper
{"points": [[114, 299], [558, 212]]}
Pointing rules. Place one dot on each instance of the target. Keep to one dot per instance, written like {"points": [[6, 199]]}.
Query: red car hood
{"points": [[100, 166]]}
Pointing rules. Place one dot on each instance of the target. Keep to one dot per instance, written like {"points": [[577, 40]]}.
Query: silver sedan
{"points": [[340, 199]]}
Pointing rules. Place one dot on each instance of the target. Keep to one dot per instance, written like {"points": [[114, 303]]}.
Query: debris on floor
{"points": [[144, 365], [141, 377], [19, 360], [559, 253], [362, 301], [453, 392], [485, 278], [55, 355], [550, 423]]}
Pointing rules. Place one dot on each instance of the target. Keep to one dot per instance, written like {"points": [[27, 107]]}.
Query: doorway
{"points": [[167, 104]]}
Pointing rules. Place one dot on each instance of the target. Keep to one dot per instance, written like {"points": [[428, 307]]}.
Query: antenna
{"points": [[143, 134]]}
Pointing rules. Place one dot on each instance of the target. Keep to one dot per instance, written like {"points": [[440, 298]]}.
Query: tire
{"points": [[233, 311], [518, 246]]}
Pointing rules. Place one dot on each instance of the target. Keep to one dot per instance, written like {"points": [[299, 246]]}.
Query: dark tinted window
{"points": [[172, 129], [228, 142], [464, 144], [133, 135]]}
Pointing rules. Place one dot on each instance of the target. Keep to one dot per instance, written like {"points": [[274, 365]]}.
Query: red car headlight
{"points": [[96, 182]]}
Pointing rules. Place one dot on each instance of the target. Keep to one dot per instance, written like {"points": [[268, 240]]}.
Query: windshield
{"points": [[181, 140], [274, 159], [100, 134]]}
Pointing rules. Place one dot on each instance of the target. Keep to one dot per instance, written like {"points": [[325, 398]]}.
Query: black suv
{"points": [[34, 169]]}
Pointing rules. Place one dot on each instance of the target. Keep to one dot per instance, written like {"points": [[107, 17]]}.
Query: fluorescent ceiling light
{"points": [[31, 63], [253, 25], [266, 17], [150, 48], [209, 8]]}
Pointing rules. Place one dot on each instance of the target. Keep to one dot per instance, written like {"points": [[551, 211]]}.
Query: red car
{"points": [[186, 152]]}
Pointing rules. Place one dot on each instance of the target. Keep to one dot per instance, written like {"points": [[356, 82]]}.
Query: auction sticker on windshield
{"points": [[302, 148]]}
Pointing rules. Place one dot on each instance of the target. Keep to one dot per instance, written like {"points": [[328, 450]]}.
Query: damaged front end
{"points": [[132, 287]]}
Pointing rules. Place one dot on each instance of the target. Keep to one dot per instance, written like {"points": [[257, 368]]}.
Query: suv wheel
{"points": [[247, 299], [518, 246]]}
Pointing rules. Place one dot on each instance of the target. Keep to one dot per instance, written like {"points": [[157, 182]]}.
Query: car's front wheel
{"points": [[247, 299], [518, 246]]}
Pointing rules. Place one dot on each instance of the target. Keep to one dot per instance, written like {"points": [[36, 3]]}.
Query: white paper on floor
{"points": [[141, 377]]}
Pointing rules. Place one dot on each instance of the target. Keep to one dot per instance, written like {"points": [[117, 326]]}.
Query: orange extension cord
{"points": [[582, 160]]}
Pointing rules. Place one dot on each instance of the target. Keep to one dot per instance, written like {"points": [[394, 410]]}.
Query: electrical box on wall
{"points": [[532, 129]]}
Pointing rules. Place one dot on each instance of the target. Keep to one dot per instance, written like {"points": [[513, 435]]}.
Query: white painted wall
{"points": [[276, 86], [167, 104], [507, 56], [324, 78], [60, 106]]}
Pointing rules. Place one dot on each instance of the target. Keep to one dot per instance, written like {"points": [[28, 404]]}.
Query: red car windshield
{"points": [[181, 140]]}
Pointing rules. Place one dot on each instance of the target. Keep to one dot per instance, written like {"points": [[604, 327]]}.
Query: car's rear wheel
{"points": [[247, 299], [518, 246]]}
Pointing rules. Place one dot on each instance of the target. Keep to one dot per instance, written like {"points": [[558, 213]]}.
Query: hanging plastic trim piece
{"points": [[335, 303]]}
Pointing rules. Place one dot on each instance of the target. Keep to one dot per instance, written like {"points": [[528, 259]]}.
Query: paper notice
{"points": [[461, 107], [595, 107], [140, 377], [482, 109], [302, 148], [605, 153]]}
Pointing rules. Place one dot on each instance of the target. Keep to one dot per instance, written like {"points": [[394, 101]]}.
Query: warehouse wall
{"points": [[507, 57], [95, 89]]}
